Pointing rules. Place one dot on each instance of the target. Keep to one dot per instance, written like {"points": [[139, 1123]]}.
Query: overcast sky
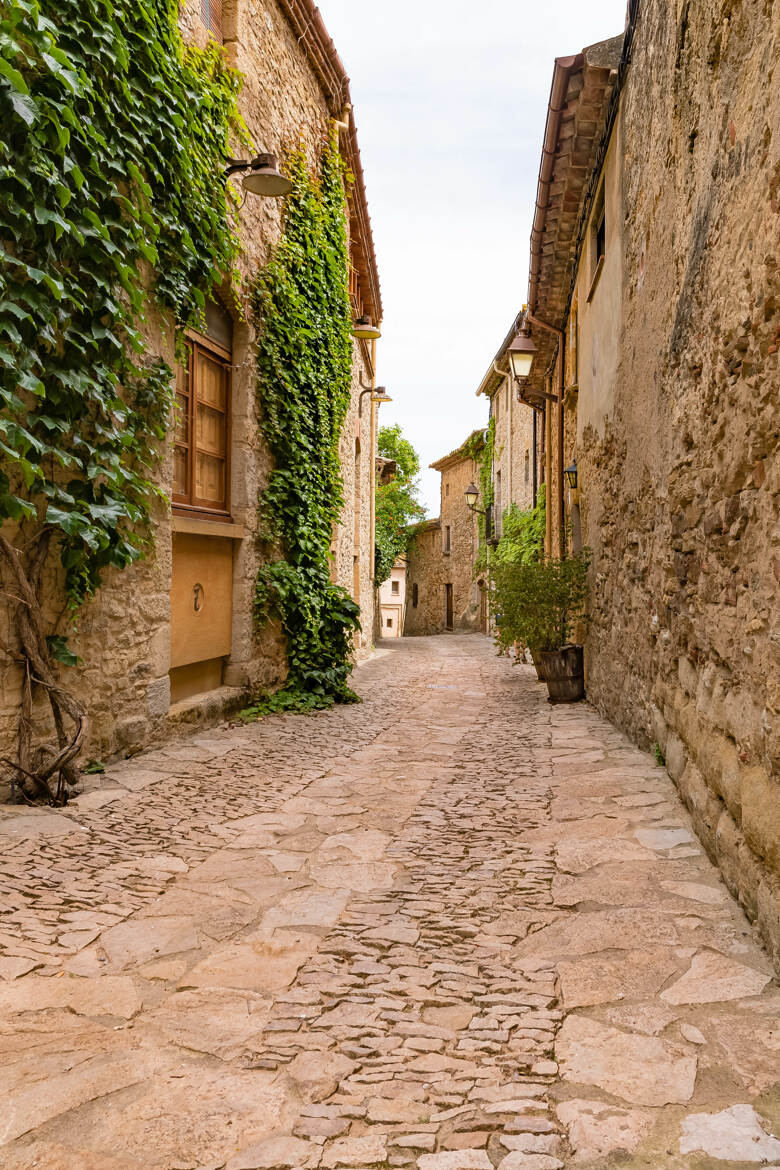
{"points": [[450, 100]]}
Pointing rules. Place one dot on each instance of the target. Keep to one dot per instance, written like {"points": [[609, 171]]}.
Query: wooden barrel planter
{"points": [[564, 673], [539, 664]]}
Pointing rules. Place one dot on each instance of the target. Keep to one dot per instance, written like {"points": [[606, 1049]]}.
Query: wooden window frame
{"points": [[212, 17], [188, 505]]}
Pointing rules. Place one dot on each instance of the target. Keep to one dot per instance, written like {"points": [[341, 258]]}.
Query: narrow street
{"points": [[451, 928]]}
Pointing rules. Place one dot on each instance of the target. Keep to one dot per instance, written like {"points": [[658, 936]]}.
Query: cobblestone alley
{"points": [[451, 928]]}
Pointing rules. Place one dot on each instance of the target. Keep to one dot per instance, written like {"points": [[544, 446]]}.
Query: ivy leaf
{"points": [[24, 107], [60, 651], [14, 76]]}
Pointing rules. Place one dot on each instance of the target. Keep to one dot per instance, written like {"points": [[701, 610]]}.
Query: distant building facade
{"points": [[442, 592], [392, 602]]}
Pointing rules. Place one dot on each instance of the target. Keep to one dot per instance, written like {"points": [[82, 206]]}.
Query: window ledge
{"points": [[596, 277], [195, 526]]}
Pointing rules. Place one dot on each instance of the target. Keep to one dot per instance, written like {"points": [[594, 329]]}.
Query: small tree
{"points": [[539, 603], [397, 504]]}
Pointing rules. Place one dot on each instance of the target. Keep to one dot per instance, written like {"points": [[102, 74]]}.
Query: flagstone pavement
{"points": [[451, 928]]}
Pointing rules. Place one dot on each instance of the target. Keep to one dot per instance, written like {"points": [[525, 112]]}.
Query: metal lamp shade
{"points": [[365, 330], [264, 177], [472, 495]]}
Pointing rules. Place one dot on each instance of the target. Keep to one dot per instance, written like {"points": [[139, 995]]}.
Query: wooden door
{"points": [[450, 607]]}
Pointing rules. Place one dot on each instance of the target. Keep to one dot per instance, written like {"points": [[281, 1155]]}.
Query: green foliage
{"points": [[94, 768], [538, 603], [522, 534], [660, 758], [483, 450], [110, 178], [397, 505], [304, 362]]}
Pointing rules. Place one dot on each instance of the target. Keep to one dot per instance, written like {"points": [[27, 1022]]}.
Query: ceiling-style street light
{"points": [[381, 395], [521, 355], [261, 175], [365, 330], [571, 475]]}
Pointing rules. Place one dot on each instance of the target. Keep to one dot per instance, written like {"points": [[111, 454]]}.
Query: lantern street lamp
{"points": [[365, 330], [571, 475], [472, 495], [521, 355], [261, 175]]}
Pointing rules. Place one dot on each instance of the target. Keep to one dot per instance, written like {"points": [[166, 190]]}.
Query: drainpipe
{"points": [[559, 470], [548, 473], [535, 469]]}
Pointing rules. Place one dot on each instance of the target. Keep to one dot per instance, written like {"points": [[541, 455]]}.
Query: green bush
{"points": [[539, 603], [522, 534]]}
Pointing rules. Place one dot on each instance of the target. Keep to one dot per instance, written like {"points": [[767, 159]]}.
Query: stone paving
{"points": [[452, 928]]}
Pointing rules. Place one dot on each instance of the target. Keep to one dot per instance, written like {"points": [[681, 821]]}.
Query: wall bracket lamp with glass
{"points": [[261, 175], [472, 495]]}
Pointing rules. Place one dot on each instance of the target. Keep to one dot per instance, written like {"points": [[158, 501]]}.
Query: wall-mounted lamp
{"points": [[378, 395], [521, 355], [365, 330], [261, 175], [472, 495], [571, 475]]}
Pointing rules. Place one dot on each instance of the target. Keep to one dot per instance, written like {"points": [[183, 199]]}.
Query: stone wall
{"points": [[124, 633], [443, 552], [425, 570], [513, 458], [679, 471]]}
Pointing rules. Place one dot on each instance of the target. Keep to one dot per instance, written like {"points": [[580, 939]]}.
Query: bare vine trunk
{"points": [[43, 772]]}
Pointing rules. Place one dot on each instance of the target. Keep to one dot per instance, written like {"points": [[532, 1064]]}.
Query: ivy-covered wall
{"points": [[123, 637]]}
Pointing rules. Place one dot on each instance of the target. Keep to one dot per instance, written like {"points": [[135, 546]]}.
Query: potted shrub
{"points": [[540, 604]]}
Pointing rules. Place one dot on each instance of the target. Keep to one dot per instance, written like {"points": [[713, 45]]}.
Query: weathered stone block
{"points": [[761, 815], [768, 914], [676, 757], [158, 697], [741, 870], [704, 805]]}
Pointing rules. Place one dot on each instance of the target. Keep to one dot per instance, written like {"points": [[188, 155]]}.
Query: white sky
{"points": [[450, 100]]}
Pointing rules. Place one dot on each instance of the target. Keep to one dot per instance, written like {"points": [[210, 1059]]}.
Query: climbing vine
{"points": [[114, 136], [304, 361], [481, 447]]}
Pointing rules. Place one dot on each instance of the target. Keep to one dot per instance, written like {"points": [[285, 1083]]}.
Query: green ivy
{"points": [[304, 361], [482, 449], [111, 164], [522, 533]]}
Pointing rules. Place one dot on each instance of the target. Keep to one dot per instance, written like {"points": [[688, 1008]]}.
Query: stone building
{"points": [[442, 593], [171, 639], [654, 302], [392, 602], [517, 441]]}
